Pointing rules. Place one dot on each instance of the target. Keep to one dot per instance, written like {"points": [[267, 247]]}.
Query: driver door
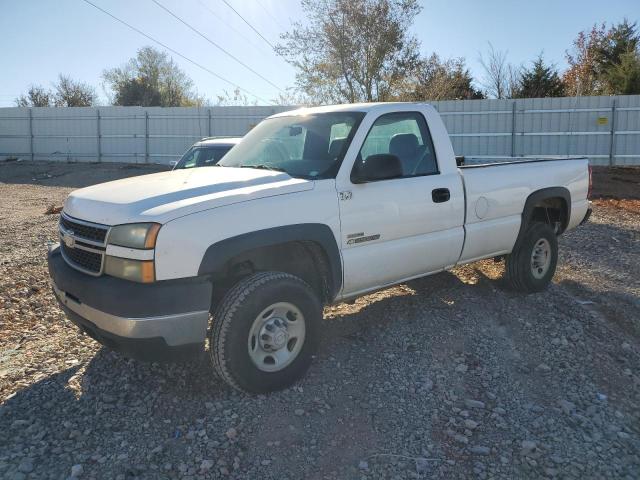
{"points": [[405, 227]]}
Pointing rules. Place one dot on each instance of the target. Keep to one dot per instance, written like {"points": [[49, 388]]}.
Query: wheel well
{"points": [[552, 211], [304, 259]]}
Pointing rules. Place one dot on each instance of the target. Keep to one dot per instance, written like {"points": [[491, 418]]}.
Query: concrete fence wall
{"points": [[605, 129]]}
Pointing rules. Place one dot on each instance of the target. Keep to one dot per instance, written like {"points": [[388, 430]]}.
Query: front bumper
{"points": [[164, 320]]}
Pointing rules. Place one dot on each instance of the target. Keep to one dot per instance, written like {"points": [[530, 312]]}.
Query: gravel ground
{"points": [[451, 376]]}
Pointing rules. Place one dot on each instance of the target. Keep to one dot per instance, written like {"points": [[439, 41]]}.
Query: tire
{"points": [[525, 273], [267, 299]]}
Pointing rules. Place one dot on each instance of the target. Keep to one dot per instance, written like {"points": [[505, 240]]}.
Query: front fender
{"points": [[218, 254]]}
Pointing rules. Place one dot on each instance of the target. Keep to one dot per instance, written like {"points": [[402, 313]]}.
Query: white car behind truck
{"points": [[312, 207], [206, 152]]}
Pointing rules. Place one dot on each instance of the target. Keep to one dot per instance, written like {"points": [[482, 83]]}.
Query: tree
{"points": [[597, 57], [583, 75], [620, 40], [150, 79], [37, 96], [540, 80], [437, 79], [291, 97], [500, 79], [236, 98], [624, 78], [66, 93], [71, 93], [352, 50]]}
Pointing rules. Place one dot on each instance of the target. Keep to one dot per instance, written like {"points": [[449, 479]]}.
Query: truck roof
{"points": [[348, 107], [218, 141]]}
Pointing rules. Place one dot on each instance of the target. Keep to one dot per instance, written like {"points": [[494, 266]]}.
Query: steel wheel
{"points": [[276, 336], [540, 258]]}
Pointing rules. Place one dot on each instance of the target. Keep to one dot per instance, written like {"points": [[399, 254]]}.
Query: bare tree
{"points": [[235, 98], [37, 96], [499, 75], [292, 97]]}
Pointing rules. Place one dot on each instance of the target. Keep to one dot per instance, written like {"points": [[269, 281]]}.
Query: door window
{"points": [[405, 135]]}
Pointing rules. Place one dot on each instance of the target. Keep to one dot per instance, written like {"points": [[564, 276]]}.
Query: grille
{"points": [[89, 232], [82, 258]]}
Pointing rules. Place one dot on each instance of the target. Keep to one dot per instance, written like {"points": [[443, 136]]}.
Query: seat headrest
{"points": [[336, 147], [403, 144]]}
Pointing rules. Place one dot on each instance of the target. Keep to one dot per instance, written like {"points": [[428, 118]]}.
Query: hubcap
{"points": [[276, 336], [541, 258]]}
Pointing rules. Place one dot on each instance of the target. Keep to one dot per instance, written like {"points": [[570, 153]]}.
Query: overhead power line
{"points": [[216, 45], [176, 52], [250, 26], [273, 17], [231, 27]]}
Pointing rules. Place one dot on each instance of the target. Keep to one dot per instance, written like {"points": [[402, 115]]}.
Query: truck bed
{"points": [[474, 162], [495, 198]]}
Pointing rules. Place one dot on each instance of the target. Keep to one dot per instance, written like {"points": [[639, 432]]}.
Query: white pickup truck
{"points": [[312, 207]]}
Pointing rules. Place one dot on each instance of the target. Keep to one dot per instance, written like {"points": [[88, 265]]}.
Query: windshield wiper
{"points": [[262, 166]]}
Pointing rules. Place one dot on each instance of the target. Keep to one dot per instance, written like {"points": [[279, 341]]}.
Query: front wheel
{"points": [[532, 263], [265, 332]]}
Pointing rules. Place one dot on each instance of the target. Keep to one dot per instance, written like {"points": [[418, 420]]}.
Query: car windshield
{"points": [[202, 156], [303, 146]]}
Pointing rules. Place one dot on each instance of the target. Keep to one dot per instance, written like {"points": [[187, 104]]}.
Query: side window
{"points": [[405, 135], [192, 158]]}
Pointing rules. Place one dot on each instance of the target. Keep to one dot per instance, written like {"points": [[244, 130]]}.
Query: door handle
{"points": [[440, 195]]}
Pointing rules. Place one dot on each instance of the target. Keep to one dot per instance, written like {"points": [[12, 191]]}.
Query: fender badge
{"points": [[363, 239]]}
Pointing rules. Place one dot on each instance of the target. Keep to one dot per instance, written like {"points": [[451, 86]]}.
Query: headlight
{"points": [[142, 271], [135, 235], [141, 236]]}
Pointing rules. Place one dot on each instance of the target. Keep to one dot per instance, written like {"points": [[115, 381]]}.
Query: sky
{"points": [[42, 38]]}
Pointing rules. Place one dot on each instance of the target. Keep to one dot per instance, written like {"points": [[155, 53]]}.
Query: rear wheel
{"points": [[265, 331], [532, 263]]}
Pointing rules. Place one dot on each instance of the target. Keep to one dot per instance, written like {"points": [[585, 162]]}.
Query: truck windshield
{"points": [[303, 146]]}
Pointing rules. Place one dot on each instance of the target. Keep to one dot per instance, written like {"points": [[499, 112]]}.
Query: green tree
{"points": [[600, 59], [541, 80], [151, 79], [620, 40], [36, 96], [624, 78], [352, 50], [437, 79]]}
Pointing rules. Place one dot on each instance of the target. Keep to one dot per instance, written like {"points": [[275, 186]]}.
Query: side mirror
{"points": [[173, 164], [382, 166]]}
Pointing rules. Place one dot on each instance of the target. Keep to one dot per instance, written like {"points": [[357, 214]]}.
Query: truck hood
{"points": [[161, 197]]}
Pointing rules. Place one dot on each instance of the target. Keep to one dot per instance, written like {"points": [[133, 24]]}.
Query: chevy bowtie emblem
{"points": [[68, 240]]}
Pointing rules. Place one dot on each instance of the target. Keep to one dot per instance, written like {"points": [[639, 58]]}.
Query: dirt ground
{"points": [[451, 376], [616, 183]]}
